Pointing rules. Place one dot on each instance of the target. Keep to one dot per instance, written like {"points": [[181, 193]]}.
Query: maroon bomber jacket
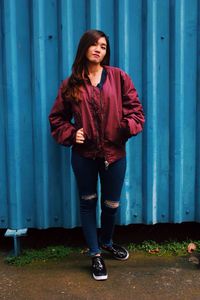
{"points": [[108, 116]]}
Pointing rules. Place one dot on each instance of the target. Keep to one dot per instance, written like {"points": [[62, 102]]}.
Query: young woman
{"points": [[104, 106]]}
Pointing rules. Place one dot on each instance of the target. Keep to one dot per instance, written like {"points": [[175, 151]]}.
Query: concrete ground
{"points": [[142, 276]]}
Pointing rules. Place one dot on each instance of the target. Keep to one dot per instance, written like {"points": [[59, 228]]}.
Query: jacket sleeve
{"points": [[60, 121], [133, 114]]}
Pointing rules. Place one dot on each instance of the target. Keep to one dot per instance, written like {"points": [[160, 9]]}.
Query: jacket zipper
{"points": [[95, 120], [106, 163]]}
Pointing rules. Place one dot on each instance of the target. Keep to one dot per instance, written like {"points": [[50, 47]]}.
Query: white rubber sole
{"points": [[103, 277], [125, 258]]}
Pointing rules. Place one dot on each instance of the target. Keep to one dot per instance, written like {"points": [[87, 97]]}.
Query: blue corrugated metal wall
{"points": [[158, 44]]}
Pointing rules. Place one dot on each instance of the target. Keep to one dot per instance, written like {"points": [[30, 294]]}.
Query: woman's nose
{"points": [[97, 49]]}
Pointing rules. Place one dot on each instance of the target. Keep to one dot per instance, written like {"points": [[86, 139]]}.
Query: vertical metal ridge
{"points": [[177, 111], [13, 140], [197, 165], [121, 41], [40, 131], [65, 36], [134, 146], [151, 111], [95, 16], [184, 144], [33, 217], [163, 117], [131, 62], [3, 133], [154, 111], [190, 123], [171, 112]]}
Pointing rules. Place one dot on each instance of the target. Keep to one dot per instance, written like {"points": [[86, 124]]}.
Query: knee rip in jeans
{"points": [[89, 197], [111, 204]]}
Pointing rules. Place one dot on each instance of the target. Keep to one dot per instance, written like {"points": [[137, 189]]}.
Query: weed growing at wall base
{"points": [[59, 252], [165, 248], [45, 254]]}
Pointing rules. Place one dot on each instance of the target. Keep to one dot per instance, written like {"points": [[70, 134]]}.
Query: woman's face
{"points": [[96, 53]]}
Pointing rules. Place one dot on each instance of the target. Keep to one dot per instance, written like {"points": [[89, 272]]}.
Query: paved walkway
{"points": [[141, 277]]}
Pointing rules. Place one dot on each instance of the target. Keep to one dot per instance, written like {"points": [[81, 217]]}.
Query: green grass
{"points": [[164, 248], [149, 247], [45, 254]]}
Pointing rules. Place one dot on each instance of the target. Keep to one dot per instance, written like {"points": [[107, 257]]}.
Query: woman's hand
{"points": [[80, 136]]}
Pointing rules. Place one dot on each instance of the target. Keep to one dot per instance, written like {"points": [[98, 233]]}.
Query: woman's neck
{"points": [[94, 74], [94, 69]]}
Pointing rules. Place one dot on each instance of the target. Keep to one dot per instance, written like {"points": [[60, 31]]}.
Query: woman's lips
{"points": [[96, 55]]}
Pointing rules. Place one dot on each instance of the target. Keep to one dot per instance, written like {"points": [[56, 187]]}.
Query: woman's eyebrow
{"points": [[103, 44]]}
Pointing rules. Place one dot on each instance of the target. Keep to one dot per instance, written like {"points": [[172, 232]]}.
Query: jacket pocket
{"points": [[115, 136]]}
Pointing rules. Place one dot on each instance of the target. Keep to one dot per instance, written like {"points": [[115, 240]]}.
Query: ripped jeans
{"points": [[86, 171]]}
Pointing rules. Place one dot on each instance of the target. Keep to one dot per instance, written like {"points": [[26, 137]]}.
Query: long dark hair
{"points": [[79, 67]]}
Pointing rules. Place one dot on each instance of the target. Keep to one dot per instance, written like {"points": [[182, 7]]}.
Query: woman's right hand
{"points": [[80, 136]]}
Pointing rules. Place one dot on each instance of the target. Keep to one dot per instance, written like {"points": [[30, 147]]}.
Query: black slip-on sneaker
{"points": [[117, 251], [99, 271]]}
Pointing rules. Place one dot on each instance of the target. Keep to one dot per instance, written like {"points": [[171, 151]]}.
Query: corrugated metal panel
{"points": [[158, 44]]}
